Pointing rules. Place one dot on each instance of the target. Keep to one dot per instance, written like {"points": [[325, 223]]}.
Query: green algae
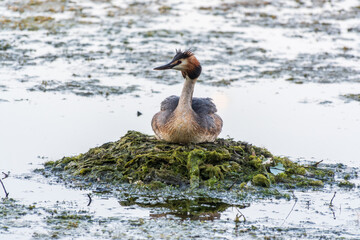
{"points": [[261, 180], [31, 23], [141, 159], [9, 208], [57, 223], [346, 184], [352, 96], [85, 88], [4, 46]]}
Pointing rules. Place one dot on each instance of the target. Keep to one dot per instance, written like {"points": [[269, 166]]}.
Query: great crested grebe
{"points": [[186, 119]]}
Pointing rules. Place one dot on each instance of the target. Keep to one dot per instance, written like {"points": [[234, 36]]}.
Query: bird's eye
{"points": [[179, 62]]}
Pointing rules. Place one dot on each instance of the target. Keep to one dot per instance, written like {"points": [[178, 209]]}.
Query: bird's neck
{"points": [[185, 100]]}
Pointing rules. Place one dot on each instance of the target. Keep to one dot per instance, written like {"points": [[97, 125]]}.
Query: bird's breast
{"points": [[182, 127]]}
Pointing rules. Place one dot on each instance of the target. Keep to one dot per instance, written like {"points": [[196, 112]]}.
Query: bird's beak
{"points": [[170, 65]]}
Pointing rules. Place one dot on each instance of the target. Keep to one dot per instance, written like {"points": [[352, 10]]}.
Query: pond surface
{"points": [[75, 74]]}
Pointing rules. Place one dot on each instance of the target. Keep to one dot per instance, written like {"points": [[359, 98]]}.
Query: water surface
{"points": [[74, 74]]}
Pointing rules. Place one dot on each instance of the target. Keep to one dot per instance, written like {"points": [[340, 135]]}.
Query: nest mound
{"points": [[139, 158]]}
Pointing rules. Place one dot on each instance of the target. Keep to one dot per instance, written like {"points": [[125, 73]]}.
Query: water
{"points": [[75, 77]]}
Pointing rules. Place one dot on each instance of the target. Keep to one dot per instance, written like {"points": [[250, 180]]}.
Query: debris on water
{"points": [[83, 88], [346, 184], [325, 102], [352, 96], [57, 222], [4, 45], [223, 82], [3, 88]]}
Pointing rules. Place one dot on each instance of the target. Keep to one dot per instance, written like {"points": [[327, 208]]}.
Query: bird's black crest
{"points": [[180, 54]]}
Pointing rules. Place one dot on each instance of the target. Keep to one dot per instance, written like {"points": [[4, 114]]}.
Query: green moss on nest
{"points": [[260, 180], [139, 158], [313, 183]]}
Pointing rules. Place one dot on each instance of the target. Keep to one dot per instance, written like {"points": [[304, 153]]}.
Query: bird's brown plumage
{"points": [[185, 119], [199, 124]]}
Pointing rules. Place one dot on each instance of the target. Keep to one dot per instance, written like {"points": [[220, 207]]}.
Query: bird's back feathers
{"points": [[199, 105]]}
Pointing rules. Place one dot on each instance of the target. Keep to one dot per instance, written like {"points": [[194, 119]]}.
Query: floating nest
{"points": [[141, 159]]}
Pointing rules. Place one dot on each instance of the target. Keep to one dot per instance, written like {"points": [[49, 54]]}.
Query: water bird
{"points": [[186, 119]]}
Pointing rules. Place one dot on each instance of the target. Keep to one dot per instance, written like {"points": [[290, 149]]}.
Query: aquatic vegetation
{"points": [[352, 96], [31, 23], [302, 23], [261, 180], [14, 215], [143, 160], [4, 45], [83, 88], [346, 184], [120, 41], [3, 88]]}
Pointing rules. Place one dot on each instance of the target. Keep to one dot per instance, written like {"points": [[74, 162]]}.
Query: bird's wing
{"points": [[170, 103], [203, 106]]}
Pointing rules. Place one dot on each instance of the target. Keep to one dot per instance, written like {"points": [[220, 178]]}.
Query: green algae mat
{"points": [[141, 159]]}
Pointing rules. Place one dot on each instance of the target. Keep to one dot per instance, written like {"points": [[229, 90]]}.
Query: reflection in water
{"points": [[199, 208]]}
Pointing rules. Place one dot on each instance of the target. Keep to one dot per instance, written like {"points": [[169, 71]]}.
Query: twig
{"points": [[296, 199], [229, 188], [333, 212], [238, 217], [6, 175], [90, 200], [330, 205], [317, 163], [6, 193]]}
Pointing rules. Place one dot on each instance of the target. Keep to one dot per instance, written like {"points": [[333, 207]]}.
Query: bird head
{"points": [[185, 62]]}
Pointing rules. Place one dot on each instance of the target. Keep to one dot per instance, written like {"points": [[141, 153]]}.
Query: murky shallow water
{"points": [[74, 74]]}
